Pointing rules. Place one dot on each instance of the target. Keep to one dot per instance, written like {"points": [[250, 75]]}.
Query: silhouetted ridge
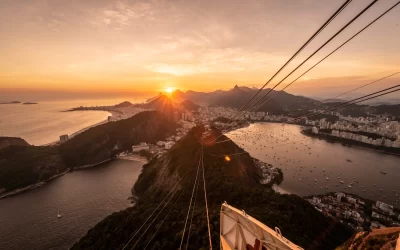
{"points": [[189, 105], [12, 141], [282, 103], [123, 105]]}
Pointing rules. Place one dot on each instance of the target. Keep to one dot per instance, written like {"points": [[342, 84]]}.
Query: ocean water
{"points": [[29, 220], [43, 123], [314, 166]]}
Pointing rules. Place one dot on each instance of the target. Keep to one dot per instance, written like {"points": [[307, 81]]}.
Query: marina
{"points": [[314, 166]]}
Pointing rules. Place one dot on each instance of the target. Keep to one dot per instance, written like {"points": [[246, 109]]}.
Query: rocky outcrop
{"points": [[12, 141], [384, 239]]}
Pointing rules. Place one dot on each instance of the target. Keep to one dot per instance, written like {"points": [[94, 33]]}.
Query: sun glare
{"points": [[169, 89]]}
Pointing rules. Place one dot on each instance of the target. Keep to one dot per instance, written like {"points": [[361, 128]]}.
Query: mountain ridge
{"points": [[234, 180], [277, 102], [25, 165], [238, 96]]}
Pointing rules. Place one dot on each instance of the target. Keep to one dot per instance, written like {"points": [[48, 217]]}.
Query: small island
{"points": [[30, 103], [13, 102]]}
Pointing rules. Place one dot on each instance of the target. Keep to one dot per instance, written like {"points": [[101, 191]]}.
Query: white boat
{"points": [[59, 215]]}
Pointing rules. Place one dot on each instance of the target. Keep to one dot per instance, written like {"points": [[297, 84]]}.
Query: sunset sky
{"points": [[120, 47]]}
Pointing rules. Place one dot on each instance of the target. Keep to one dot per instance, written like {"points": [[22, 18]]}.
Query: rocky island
{"points": [[13, 102]]}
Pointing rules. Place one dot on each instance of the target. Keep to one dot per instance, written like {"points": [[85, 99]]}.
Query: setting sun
{"points": [[169, 90]]}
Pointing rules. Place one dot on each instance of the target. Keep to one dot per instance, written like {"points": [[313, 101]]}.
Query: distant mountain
{"points": [[333, 100], [384, 239], [190, 105], [238, 96], [168, 107], [393, 110], [163, 104], [22, 165], [363, 110], [282, 102], [123, 105], [153, 98], [178, 96], [235, 181]]}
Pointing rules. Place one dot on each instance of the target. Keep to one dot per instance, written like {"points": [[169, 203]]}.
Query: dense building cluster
{"points": [[159, 148], [356, 212], [366, 131]]}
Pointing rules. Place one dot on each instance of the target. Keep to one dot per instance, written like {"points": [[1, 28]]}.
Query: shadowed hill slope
{"points": [[162, 104], [190, 105], [24, 165], [21, 166], [101, 142], [10, 141], [235, 181]]}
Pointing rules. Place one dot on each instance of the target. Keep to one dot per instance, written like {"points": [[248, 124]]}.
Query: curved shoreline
{"points": [[83, 129], [42, 183], [334, 139], [346, 142], [31, 187]]}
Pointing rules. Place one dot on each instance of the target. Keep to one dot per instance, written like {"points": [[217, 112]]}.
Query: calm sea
{"points": [[43, 123], [314, 166], [29, 220]]}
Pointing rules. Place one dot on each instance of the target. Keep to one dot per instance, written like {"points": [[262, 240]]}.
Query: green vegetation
{"points": [[105, 141], [235, 181], [146, 154], [21, 166], [25, 165]]}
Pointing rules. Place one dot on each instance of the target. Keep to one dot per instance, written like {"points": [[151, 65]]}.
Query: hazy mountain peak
{"points": [[123, 104]]}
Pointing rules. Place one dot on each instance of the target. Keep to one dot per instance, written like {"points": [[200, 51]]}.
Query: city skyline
{"points": [[130, 47]]}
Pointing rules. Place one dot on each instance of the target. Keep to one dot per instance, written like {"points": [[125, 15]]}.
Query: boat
{"points": [[383, 172], [342, 182], [59, 215], [349, 160]]}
